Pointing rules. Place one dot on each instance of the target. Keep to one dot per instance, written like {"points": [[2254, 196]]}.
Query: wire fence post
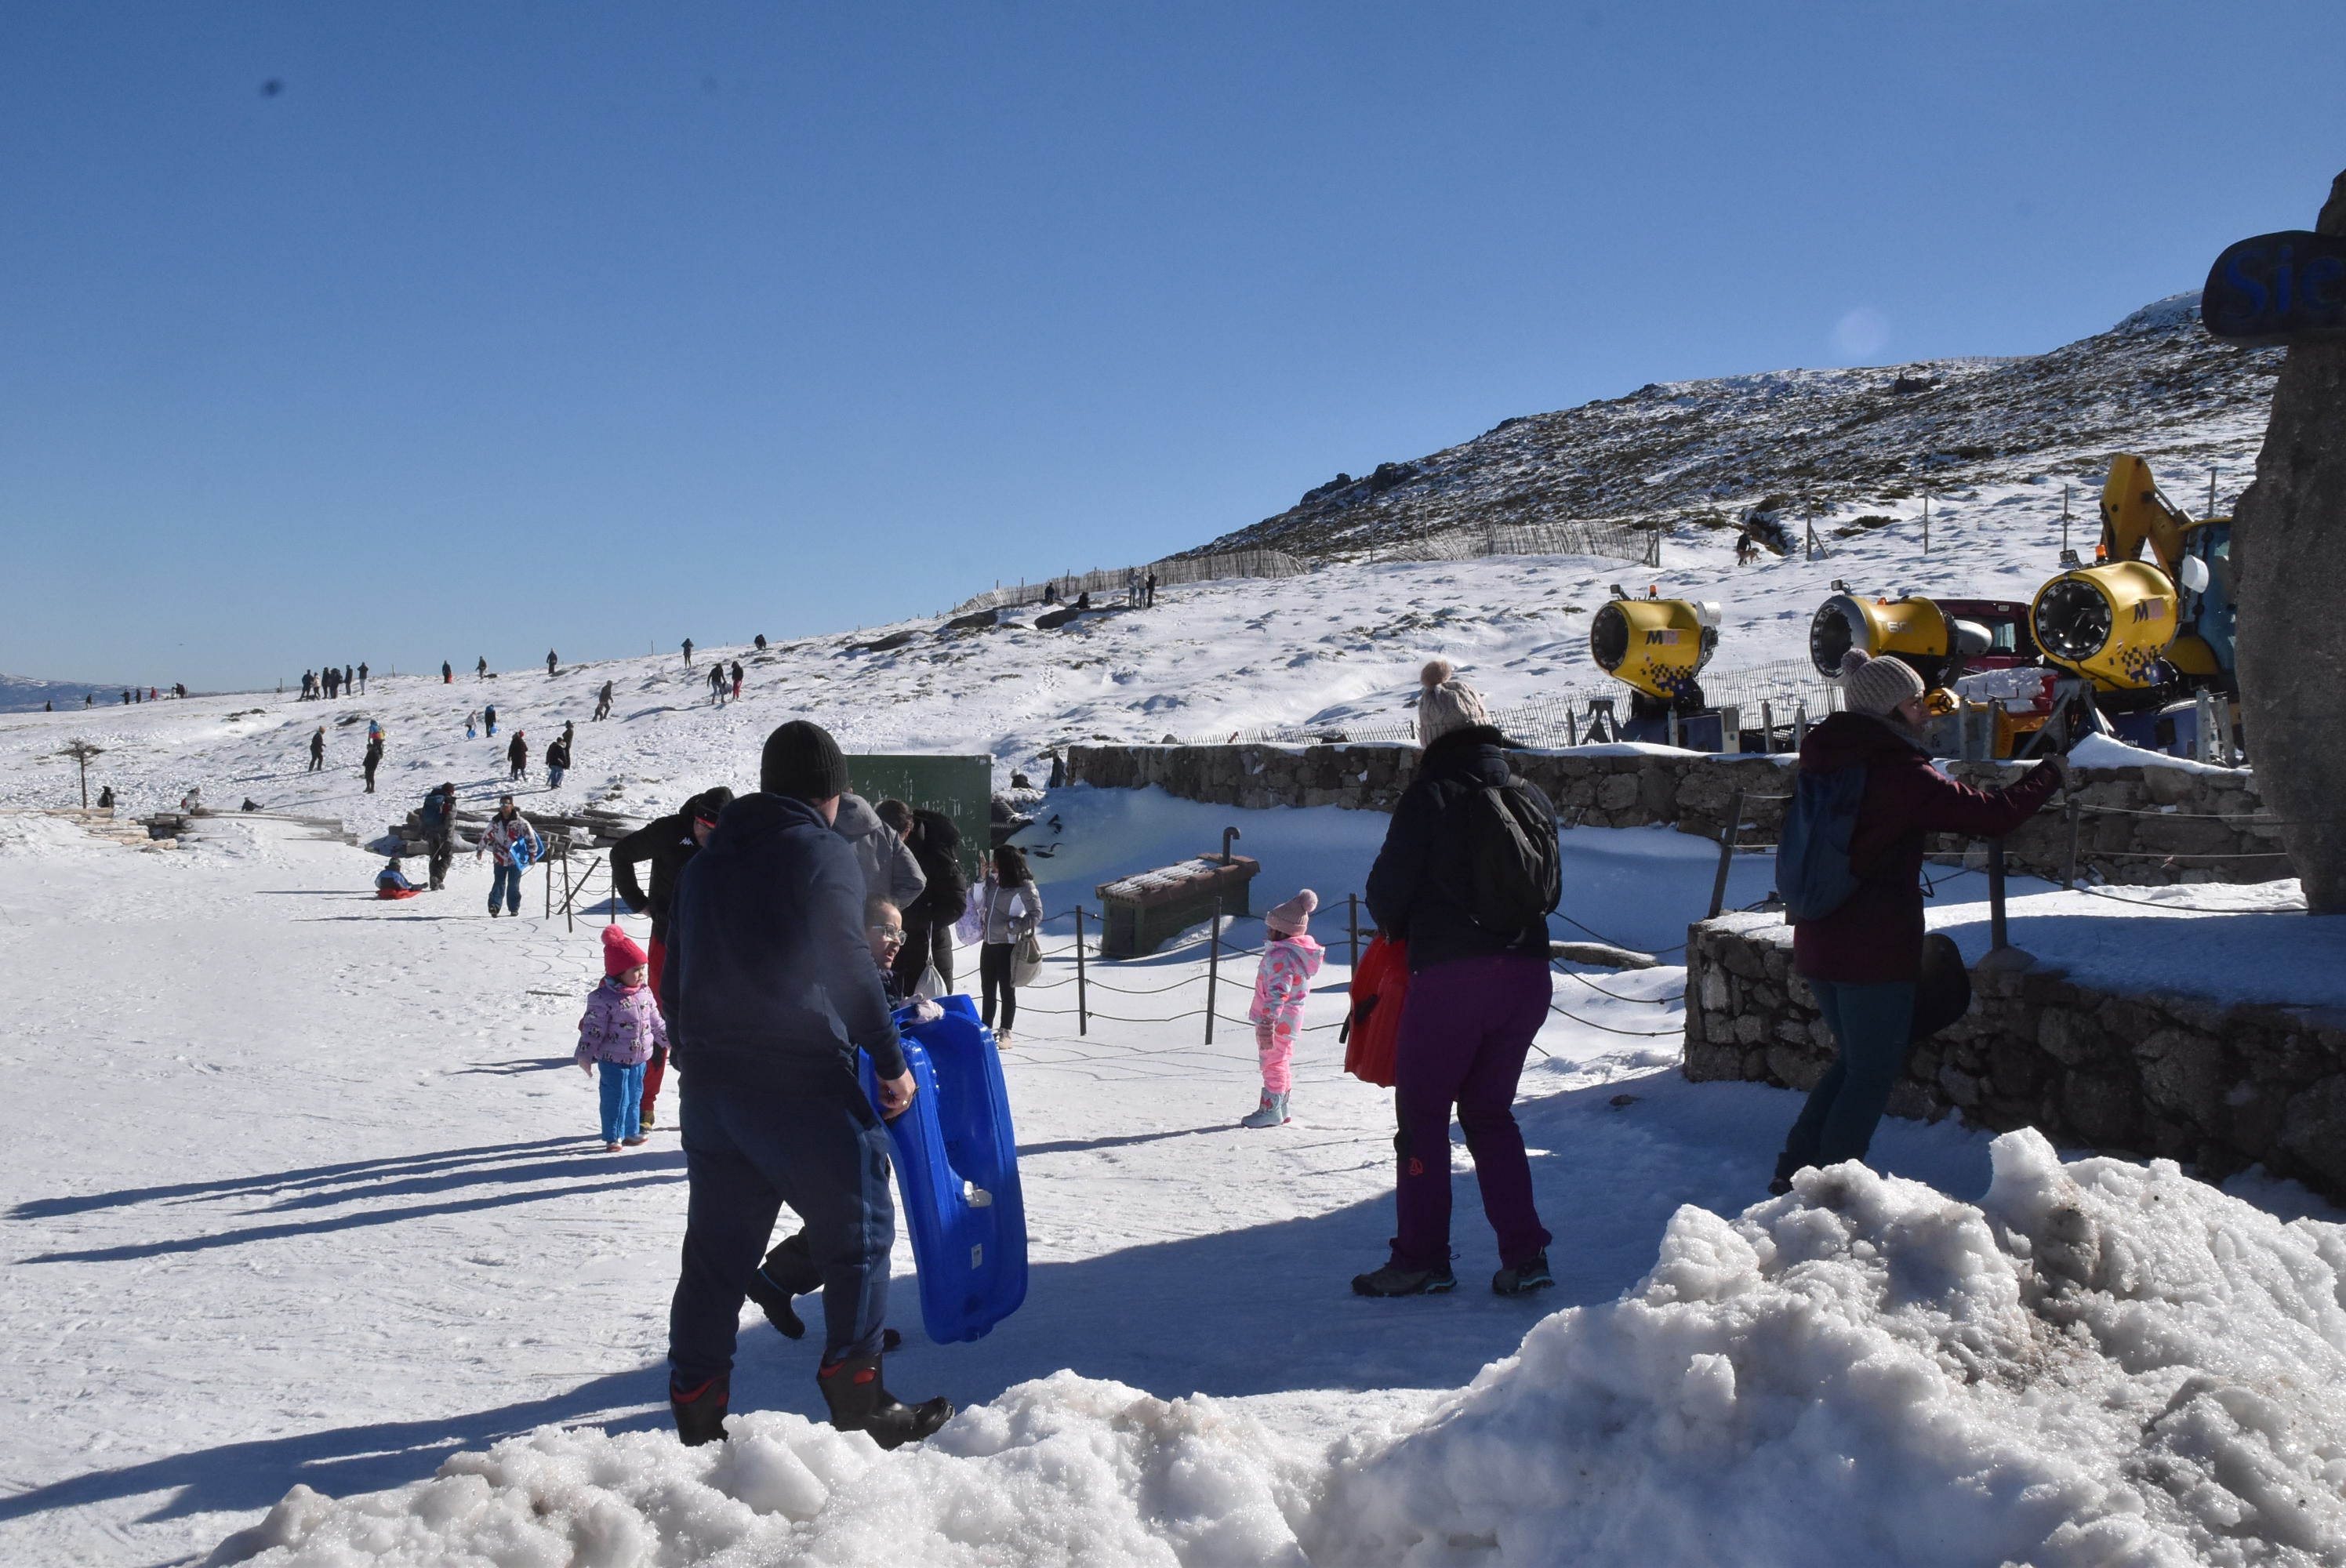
{"points": [[1083, 1014], [1995, 896], [1213, 966], [2074, 815], [1726, 837]]}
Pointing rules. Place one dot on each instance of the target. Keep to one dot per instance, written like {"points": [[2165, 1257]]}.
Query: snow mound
{"points": [[2101, 1364], [33, 835], [1061, 1471]]}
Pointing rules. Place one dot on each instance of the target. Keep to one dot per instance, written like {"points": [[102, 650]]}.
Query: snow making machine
{"points": [[1657, 647], [2152, 638], [2142, 649]]}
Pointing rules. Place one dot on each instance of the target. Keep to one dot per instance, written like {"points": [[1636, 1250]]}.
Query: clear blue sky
{"points": [[509, 326]]}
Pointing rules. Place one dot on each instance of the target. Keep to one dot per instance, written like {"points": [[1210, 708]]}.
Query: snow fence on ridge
{"points": [[2102, 1364]]}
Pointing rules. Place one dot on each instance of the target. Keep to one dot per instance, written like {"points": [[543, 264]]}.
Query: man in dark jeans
{"points": [[438, 819], [771, 994]]}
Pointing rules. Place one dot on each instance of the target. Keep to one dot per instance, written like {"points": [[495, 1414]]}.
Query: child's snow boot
{"points": [[774, 1301], [1525, 1278], [699, 1412], [860, 1402], [1271, 1113]]}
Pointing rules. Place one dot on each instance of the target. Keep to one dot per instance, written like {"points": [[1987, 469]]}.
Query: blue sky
{"points": [[497, 328]]}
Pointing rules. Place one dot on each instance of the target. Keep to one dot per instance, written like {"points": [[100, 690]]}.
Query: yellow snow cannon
{"points": [[1657, 646], [1919, 633], [2112, 623]]}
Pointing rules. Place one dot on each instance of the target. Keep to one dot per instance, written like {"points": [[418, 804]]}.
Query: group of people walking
{"points": [[333, 684]]}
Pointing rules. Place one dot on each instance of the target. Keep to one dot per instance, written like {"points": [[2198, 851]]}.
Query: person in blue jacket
{"points": [[770, 992]]}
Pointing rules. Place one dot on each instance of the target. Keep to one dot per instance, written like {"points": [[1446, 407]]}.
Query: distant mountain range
{"points": [[21, 694], [1679, 454]]}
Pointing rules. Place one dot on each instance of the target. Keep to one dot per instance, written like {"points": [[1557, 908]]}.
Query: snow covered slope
{"points": [[1860, 442], [23, 694]]}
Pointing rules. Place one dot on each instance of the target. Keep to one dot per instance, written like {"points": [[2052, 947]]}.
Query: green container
{"points": [[962, 788]]}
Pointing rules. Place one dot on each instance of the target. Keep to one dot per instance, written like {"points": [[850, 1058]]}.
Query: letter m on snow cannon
{"points": [[2278, 289]]}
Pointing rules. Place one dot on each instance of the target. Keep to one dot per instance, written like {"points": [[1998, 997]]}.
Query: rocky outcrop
{"points": [[2288, 557], [2150, 1073], [2135, 825]]}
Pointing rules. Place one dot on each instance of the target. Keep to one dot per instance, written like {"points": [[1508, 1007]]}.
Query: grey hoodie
{"points": [[890, 870]]}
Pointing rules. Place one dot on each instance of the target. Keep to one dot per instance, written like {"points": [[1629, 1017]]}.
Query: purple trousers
{"points": [[1466, 1028]]}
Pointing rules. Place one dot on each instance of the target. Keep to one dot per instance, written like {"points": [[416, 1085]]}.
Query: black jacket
{"points": [[557, 754], [1411, 887], [769, 984], [935, 843], [667, 843]]}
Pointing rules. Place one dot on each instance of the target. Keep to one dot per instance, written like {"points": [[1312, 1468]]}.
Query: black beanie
{"points": [[802, 760]]}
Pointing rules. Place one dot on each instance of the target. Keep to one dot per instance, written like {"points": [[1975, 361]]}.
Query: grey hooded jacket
{"points": [[890, 871]]}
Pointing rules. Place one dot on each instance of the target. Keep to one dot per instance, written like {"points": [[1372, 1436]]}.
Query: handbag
{"points": [[1372, 1023], [1027, 959]]}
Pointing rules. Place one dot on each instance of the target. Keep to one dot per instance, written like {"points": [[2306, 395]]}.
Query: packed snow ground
{"points": [[315, 1203]]}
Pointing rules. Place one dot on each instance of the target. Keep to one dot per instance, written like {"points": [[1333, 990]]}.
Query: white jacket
{"points": [[1010, 913]]}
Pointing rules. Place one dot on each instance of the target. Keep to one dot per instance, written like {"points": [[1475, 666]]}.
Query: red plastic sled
{"points": [[396, 892]]}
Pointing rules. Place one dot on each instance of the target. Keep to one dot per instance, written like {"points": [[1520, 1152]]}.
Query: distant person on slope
{"points": [[553, 665], [517, 755], [447, 674], [489, 717], [668, 843], [737, 680], [603, 701], [472, 724], [513, 843], [1862, 957], [438, 819], [318, 749], [1009, 907], [771, 993], [373, 759], [688, 653], [481, 670], [362, 674], [1282, 983], [557, 760], [619, 1034], [1478, 989]]}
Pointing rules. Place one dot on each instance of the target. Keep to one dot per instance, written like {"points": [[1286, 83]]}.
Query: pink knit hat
{"points": [[1293, 916], [620, 951]]}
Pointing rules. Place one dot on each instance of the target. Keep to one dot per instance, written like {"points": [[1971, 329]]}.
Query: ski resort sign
{"points": [[2278, 289]]}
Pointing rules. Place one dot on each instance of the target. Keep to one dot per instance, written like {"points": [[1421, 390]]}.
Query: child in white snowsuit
{"points": [[1281, 982], [622, 1028]]}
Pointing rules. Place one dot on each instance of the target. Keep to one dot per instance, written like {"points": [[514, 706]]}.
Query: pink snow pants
{"points": [[1274, 1044]]}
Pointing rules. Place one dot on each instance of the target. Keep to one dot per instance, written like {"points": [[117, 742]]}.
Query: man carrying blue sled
{"points": [[769, 995]]}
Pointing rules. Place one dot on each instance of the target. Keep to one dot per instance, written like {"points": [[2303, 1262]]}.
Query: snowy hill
{"points": [[1852, 442]]}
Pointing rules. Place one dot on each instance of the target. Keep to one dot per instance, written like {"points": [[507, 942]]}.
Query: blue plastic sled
{"points": [[958, 1170]]}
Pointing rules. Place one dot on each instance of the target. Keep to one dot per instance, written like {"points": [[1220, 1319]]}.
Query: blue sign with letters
{"points": [[2286, 288]]}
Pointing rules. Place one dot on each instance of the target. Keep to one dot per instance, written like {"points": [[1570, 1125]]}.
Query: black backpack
{"points": [[948, 891], [1509, 870]]}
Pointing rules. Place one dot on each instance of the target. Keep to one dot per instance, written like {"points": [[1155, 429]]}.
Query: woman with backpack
{"points": [[1466, 877], [1858, 941], [1011, 907]]}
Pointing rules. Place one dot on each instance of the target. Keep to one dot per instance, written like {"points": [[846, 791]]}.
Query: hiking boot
{"points": [[790, 1266], [1271, 1113], [775, 1303], [645, 1120], [1394, 1280], [699, 1412], [860, 1402], [1001, 1041], [1523, 1279]]}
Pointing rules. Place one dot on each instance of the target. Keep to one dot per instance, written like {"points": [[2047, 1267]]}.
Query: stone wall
{"points": [[2142, 825], [2154, 1074]]}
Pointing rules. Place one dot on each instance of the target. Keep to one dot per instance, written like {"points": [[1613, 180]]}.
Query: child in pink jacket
{"points": [[622, 1028], [1281, 982]]}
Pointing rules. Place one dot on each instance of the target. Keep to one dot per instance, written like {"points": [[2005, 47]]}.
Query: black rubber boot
{"points": [[699, 1412], [860, 1402], [775, 1303]]}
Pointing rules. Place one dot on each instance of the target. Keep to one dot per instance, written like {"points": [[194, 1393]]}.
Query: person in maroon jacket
{"points": [[1862, 960]]}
